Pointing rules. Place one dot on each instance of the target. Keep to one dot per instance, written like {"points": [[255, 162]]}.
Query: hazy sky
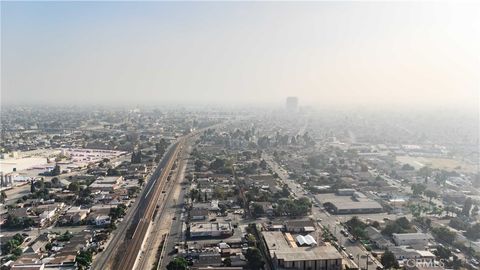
{"points": [[164, 52]]}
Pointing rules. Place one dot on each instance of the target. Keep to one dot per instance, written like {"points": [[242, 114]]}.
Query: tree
{"points": [[257, 210], [3, 197], [118, 212], [403, 222], [17, 251], [425, 172], [251, 240], [398, 226], [218, 164], [388, 260], [430, 194], [376, 224], [136, 157], [473, 232], [161, 146], [263, 164], [113, 172], [198, 165], [458, 223], [178, 263], [294, 208], [285, 193], [55, 171], [84, 259], [443, 253], [467, 207], [418, 189], [254, 258], [475, 210], [357, 227], [33, 188], [194, 194], [444, 234], [141, 181], [227, 262], [219, 193], [74, 187], [55, 182], [407, 167]]}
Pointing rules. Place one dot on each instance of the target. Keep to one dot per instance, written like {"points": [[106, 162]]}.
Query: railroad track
{"points": [[138, 230], [169, 186]]}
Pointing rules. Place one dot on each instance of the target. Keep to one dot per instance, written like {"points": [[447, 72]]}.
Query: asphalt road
{"points": [[135, 213], [332, 222], [176, 233]]}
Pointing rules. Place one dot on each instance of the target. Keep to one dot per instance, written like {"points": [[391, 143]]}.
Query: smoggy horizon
{"points": [[404, 55]]}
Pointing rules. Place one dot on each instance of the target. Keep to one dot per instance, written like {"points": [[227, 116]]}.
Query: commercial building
{"points": [[377, 238], [212, 230], [6, 180], [198, 214], [108, 184], [409, 256], [299, 226], [355, 204], [411, 239], [285, 253]]}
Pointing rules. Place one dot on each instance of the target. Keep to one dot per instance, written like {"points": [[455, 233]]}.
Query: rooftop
{"points": [[278, 246]]}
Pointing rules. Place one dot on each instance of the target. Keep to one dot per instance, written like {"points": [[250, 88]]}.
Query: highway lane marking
{"points": [[150, 189]]}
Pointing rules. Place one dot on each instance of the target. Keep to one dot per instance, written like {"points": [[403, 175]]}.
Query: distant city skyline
{"points": [[324, 53]]}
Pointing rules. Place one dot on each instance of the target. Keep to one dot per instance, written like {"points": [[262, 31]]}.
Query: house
{"points": [[198, 214], [39, 245], [209, 258], [267, 207], [74, 215], [405, 255], [63, 259], [20, 213], [102, 220], [47, 214], [299, 226], [108, 184], [377, 238], [211, 206]]}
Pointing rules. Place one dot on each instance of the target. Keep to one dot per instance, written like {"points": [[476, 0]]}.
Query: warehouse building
{"points": [[355, 204], [304, 254], [210, 230], [411, 239]]}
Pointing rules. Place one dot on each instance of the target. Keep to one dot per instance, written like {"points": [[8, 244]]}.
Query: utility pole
{"points": [[367, 261]]}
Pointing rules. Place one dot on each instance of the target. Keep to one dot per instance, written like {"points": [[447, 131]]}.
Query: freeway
{"points": [[171, 202], [134, 220], [135, 235], [175, 234]]}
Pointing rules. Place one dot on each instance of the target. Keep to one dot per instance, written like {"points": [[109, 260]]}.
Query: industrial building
{"points": [[411, 239], [357, 203], [213, 230], [301, 252]]}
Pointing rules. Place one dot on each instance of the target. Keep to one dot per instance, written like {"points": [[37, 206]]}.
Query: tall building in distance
{"points": [[292, 104]]}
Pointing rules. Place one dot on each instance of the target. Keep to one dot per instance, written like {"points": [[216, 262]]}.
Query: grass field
{"points": [[438, 163]]}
